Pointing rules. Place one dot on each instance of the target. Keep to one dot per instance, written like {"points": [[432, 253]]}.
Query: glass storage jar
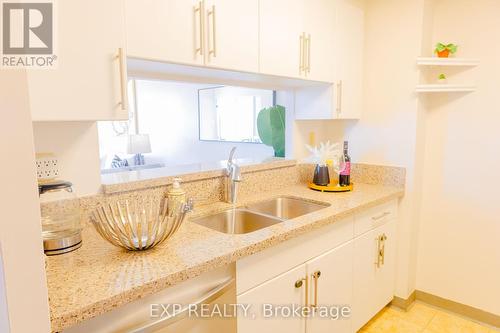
{"points": [[60, 210]]}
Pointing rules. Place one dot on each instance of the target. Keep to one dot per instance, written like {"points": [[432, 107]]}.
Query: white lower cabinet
{"points": [[323, 285], [331, 290], [329, 269], [374, 272], [281, 290]]}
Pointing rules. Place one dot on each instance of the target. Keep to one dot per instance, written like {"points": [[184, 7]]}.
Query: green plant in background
{"points": [[271, 128], [442, 77]]}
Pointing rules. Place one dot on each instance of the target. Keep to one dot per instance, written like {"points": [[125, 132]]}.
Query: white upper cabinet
{"points": [[320, 43], [216, 33], [89, 82], [297, 38], [342, 99], [232, 34], [166, 30], [281, 37], [349, 55]]}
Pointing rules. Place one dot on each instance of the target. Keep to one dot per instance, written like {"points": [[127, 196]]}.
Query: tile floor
{"points": [[422, 318]]}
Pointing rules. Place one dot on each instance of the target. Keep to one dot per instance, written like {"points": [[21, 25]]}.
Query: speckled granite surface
{"points": [[137, 180], [99, 277]]}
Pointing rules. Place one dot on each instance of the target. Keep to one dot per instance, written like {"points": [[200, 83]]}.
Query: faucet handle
{"points": [[236, 173], [188, 206]]}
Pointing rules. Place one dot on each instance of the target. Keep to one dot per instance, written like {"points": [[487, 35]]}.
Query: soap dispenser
{"points": [[176, 196]]}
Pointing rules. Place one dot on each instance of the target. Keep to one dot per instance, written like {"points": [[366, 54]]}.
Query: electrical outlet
{"points": [[47, 166]]}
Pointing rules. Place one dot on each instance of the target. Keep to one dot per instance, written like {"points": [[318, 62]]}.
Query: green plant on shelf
{"points": [[444, 50]]}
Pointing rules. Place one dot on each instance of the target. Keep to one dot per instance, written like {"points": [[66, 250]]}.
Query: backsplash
{"points": [[363, 173], [211, 190]]}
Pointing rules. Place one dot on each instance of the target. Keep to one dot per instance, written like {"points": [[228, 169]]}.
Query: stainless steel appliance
{"points": [[216, 287], [60, 210]]}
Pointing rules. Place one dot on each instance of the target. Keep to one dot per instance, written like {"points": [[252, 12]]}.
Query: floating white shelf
{"points": [[435, 88], [435, 61]]}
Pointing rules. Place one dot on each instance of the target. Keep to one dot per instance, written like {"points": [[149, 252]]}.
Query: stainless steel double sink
{"points": [[259, 215]]}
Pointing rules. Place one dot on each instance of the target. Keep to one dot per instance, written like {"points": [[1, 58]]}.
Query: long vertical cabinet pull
{"points": [[339, 98], [213, 40], [305, 54], [199, 10], [315, 276], [122, 61], [383, 239], [380, 250], [298, 284], [301, 56], [379, 240], [308, 43]]}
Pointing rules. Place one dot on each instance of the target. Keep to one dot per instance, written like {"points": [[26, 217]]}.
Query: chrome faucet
{"points": [[233, 177]]}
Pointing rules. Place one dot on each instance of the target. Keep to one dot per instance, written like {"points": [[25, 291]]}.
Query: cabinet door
{"points": [[320, 25], [281, 26], [373, 283], [86, 84], [280, 290], [331, 285], [349, 54], [166, 30], [232, 34]]}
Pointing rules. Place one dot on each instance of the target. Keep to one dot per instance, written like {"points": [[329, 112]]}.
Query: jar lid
{"points": [[54, 186]]}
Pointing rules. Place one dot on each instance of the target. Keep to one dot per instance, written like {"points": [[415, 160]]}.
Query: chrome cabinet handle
{"points": [[169, 320], [381, 216], [199, 9], [122, 61], [339, 97], [211, 12]]}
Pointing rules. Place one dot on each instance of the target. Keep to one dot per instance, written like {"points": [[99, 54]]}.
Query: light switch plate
{"points": [[47, 167]]}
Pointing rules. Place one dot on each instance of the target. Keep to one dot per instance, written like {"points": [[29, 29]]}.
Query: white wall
{"points": [[322, 130], [389, 126], [459, 242], [20, 227], [77, 148], [168, 112]]}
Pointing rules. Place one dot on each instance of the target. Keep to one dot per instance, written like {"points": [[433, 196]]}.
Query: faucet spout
{"points": [[233, 177]]}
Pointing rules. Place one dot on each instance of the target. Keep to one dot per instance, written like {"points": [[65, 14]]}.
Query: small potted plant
{"points": [[444, 50], [442, 78]]}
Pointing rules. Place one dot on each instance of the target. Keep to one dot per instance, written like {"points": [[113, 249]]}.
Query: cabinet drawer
{"points": [[265, 265], [374, 217]]}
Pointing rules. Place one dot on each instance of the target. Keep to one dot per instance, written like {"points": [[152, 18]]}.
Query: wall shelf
{"points": [[435, 88], [435, 61]]}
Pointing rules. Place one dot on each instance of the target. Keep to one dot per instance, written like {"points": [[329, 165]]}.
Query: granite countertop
{"points": [[100, 277]]}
